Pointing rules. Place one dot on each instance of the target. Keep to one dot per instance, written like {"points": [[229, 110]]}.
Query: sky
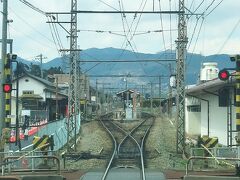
{"points": [[216, 33]]}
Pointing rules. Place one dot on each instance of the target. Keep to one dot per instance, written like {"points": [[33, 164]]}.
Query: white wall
{"points": [[193, 119], [217, 119], [30, 85]]}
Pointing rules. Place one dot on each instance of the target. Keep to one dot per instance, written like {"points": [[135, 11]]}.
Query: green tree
{"points": [[35, 70]]}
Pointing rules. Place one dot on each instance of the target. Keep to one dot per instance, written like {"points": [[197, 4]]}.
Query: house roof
{"points": [[49, 85], [209, 86], [44, 81], [125, 92]]}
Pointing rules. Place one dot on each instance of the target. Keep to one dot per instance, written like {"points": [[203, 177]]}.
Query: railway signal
{"points": [[7, 88], [223, 75]]}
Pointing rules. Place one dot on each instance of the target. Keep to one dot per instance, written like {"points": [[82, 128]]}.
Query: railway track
{"points": [[128, 145]]}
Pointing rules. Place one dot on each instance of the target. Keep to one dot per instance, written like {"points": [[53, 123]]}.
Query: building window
{"points": [[28, 92], [194, 108]]}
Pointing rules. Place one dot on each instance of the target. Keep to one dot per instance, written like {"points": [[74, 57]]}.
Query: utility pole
{"points": [[56, 97], [3, 58], [151, 96], [160, 93], [73, 98], [170, 94], [40, 58], [97, 97], [181, 53]]}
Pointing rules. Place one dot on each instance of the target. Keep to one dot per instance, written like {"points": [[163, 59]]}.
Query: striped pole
{"points": [[7, 73], [238, 100]]}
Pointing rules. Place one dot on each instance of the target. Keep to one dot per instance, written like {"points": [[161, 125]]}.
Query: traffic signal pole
{"points": [[238, 100], [3, 58]]}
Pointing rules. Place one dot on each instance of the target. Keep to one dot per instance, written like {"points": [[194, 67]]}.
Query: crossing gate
{"points": [[208, 142], [43, 143]]}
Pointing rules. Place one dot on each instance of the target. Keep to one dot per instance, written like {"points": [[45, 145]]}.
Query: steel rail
{"points": [[114, 151], [128, 135]]}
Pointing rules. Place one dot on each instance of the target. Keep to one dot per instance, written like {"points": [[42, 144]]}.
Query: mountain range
{"points": [[193, 64]]}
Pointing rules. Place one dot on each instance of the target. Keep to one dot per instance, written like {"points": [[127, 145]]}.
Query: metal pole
{"points": [[4, 56], [237, 97], [56, 97], [181, 56], [151, 96], [160, 91]]}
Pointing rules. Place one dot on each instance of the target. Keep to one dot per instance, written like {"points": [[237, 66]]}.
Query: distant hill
{"points": [[193, 64]]}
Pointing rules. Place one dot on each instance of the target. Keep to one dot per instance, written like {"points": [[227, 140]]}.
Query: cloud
{"points": [[32, 34]]}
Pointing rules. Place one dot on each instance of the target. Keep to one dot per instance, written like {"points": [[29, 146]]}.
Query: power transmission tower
{"points": [[181, 56], [73, 98]]}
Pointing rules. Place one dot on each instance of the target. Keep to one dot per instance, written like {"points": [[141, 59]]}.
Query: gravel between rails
{"points": [[160, 145]]}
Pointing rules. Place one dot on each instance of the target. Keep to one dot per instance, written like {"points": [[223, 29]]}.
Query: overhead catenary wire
{"points": [[161, 21], [31, 26], [170, 24], [108, 5], [200, 28], [229, 36], [30, 37], [213, 8], [34, 7]]}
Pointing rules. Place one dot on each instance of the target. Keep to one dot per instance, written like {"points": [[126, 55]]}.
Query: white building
{"points": [[38, 95], [204, 112]]}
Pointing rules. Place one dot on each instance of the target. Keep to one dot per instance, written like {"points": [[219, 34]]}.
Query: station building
{"points": [[210, 107]]}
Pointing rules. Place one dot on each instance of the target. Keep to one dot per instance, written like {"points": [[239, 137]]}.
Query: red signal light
{"points": [[223, 75], [7, 88]]}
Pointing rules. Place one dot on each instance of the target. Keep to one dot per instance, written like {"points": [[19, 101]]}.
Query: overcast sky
{"points": [[32, 35]]}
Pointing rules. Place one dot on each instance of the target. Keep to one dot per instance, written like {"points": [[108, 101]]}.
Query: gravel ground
{"points": [[160, 145]]}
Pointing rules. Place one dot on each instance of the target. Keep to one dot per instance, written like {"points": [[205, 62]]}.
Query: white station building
{"points": [[210, 107]]}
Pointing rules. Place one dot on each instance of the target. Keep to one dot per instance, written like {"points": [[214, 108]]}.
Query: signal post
{"points": [[237, 59]]}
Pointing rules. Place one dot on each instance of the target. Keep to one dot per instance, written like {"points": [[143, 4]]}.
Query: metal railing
{"points": [[30, 162], [221, 152]]}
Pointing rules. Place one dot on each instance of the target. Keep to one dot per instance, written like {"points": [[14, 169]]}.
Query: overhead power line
{"points": [[126, 75], [33, 7], [214, 8], [127, 61]]}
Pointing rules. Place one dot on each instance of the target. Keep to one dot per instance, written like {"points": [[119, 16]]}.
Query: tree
{"points": [[22, 68], [35, 70]]}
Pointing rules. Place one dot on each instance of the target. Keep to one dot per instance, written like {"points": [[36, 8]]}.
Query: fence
{"points": [[29, 161], [223, 152], [59, 131]]}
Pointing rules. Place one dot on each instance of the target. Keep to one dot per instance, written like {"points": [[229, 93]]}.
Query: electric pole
{"points": [[151, 100], [40, 58], [160, 93], [181, 55], [170, 94], [3, 58], [73, 98]]}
